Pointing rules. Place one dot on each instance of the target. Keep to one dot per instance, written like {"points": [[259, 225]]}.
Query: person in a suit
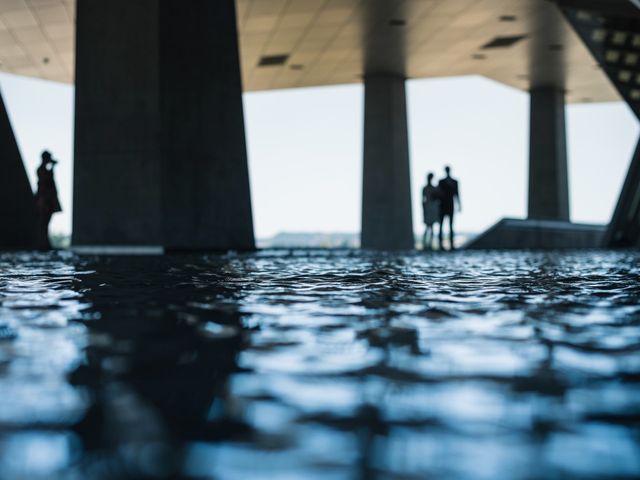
{"points": [[449, 196]]}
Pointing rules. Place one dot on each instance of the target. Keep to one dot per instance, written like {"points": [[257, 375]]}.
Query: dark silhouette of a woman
{"points": [[46, 200]]}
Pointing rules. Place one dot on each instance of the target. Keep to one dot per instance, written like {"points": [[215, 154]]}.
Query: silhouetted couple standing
{"points": [[438, 203], [46, 200]]}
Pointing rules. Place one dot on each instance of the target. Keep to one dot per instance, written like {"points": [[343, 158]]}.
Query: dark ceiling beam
{"points": [[609, 7]]}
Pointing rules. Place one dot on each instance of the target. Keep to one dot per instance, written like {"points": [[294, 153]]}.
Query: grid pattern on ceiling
{"points": [[326, 42], [615, 42], [37, 38]]}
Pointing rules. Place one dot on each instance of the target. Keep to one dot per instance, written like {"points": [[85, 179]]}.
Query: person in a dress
{"points": [[430, 210], [46, 200]]}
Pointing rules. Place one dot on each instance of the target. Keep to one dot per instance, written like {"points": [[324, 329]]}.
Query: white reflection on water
{"points": [[36, 454], [321, 365], [38, 349]]}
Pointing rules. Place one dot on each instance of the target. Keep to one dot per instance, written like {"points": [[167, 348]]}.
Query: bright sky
{"points": [[305, 149]]}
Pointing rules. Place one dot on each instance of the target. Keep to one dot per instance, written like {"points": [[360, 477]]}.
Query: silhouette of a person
{"points": [[46, 199], [430, 211], [448, 193]]}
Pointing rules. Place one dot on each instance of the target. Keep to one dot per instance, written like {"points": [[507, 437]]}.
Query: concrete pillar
{"points": [[17, 206], [207, 202], [160, 155], [386, 188], [548, 176], [117, 169]]}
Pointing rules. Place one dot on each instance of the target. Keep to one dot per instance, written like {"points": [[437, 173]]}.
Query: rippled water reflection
{"points": [[311, 365]]}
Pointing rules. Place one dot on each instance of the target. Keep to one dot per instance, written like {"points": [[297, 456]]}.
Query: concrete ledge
{"points": [[118, 249], [512, 234]]}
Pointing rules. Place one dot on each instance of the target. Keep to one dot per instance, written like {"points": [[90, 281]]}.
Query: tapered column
{"points": [[117, 168], [548, 177], [17, 206], [386, 187], [207, 203], [160, 155]]}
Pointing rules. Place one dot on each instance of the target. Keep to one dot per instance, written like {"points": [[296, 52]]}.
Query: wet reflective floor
{"points": [[314, 365]]}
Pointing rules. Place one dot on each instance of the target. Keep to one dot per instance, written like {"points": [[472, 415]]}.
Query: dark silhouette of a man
{"points": [[448, 193], [46, 200]]}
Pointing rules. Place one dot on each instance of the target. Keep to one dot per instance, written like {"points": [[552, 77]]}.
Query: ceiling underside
{"points": [[330, 42]]}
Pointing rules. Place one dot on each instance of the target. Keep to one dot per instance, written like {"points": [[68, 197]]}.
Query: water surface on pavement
{"points": [[320, 364]]}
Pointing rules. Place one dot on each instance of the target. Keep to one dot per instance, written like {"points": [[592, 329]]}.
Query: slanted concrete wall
{"points": [[516, 234], [609, 18], [624, 229], [17, 206]]}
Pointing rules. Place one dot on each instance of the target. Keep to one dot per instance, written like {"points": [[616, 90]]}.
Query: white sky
{"points": [[305, 149]]}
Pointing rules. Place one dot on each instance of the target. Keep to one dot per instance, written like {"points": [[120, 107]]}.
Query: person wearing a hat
{"points": [[46, 200]]}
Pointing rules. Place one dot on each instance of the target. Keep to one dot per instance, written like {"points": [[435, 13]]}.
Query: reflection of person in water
{"points": [[46, 199]]}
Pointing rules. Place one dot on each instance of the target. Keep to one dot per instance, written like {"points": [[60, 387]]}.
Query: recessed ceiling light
{"points": [[624, 76], [504, 42], [273, 60], [612, 56], [582, 15], [619, 38], [598, 35]]}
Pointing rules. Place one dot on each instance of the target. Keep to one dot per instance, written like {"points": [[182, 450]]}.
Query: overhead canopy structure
{"points": [[301, 43], [160, 156]]}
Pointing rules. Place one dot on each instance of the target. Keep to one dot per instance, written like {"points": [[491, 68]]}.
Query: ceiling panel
{"points": [[338, 41]]}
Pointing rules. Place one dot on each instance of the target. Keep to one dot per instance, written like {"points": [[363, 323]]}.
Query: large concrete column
{"points": [[117, 169], [207, 202], [386, 187], [160, 153], [548, 176], [17, 206]]}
